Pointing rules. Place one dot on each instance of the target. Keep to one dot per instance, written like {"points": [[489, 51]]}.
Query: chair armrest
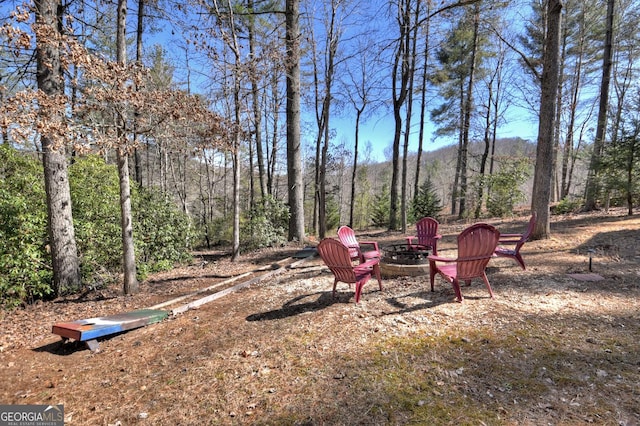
{"points": [[366, 265], [437, 237], [509, 238], [441, 259]]}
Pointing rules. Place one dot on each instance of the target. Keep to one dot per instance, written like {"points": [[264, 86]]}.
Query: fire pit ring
{"points": [[404, 260]]}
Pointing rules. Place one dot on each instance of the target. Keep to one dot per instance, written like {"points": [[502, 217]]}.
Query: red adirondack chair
{"points": [[348, 237], [476, 245], [514, 243], [427, 235], [336, 256]]}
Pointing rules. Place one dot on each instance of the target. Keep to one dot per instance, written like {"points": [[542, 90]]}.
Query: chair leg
{"points": [[335, 283], [358, 291], [456, 288], [432, 273], [376, 271], [520, 260], [486, 281]]}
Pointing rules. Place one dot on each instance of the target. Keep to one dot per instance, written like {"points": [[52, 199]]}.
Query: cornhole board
{"points": [[89, 330]]}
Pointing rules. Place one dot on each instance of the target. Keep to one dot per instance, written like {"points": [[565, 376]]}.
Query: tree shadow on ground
{"points": [[302, 304], [609, 244], [428, 299]]}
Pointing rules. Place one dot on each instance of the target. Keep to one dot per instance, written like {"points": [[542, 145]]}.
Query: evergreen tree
{"points": [[426, 202], [381, 207]]}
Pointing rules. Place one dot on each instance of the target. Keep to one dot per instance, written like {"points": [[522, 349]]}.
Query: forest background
{"points": [[121, 155]]}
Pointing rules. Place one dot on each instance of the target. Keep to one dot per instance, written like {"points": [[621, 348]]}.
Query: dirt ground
{"points": [[548, 349]]}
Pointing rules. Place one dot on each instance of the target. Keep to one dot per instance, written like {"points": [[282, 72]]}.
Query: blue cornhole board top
{"points": [[93, 328]]}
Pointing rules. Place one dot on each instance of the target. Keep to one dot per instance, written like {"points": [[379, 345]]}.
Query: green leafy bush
{"points": [[95, 198], [25, 265], [504, 190], [220, 230], [163, 234], [265, 225], [567, 205]]}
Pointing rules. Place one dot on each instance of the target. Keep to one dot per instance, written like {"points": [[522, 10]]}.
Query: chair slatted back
{"points": [[337, 258], [348, 237], [426, 230], [476, 245]]}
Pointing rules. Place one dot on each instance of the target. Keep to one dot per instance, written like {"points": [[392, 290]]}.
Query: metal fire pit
{"points": [[401, 259], [402, 254]]}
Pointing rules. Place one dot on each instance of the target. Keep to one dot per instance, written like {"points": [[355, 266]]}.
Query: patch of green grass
{"points": [[466, 376]]}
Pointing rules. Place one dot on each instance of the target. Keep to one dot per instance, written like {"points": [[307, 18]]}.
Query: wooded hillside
{"points": [[254, 117]]}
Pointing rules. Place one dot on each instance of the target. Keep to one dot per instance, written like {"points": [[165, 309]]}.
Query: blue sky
{"points": [[379, 131]]}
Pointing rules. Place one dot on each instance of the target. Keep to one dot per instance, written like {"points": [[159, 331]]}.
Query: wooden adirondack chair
{"points": [[348, 237], [514, 243], [427, 235], [476, 245], [336, 256]]}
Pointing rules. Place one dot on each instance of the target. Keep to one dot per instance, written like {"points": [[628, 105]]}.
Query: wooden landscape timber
{"points": [[195, 293], [278, 268]]}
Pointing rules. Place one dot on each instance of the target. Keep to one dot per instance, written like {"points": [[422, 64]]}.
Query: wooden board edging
{"points": [[218, 295], [195, 293]]}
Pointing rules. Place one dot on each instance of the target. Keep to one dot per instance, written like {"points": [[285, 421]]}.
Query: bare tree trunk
{"points": [[423, 100], [413, 40], [546, 126], [333, 37], [257, 113], [126, 220], [555, 190], [485, 153], [598, 144], [294, 154], [399, 82], [236, 178], [126, 223], [180, 179], [468, 106], [359, 98], [273, 152], [456, 179], [354, 169], [319, 109], [567, 152], [139, 32], [322, 188], [631, 160], [64, 253]]}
